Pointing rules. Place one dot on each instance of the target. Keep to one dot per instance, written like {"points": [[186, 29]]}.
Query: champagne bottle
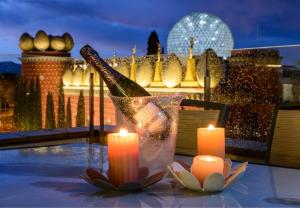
{"points": [[146, 114], [117, 84]]}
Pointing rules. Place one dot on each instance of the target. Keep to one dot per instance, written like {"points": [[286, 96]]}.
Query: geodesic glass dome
{"points": [[207, 30]]}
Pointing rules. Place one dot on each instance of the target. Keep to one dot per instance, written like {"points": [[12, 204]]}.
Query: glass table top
{"points": [[49, 176]]}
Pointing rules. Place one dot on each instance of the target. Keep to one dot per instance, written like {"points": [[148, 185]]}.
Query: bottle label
{"points": [[152, 118]]}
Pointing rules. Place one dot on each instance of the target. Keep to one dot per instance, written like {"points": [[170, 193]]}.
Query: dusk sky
{"points": [[109, 25]]}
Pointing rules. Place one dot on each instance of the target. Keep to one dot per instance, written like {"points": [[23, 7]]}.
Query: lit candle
{"points": [[211, 141], [204, 165], [123, 151]]}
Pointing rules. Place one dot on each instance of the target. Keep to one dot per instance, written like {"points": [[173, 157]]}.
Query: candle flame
{"points": [[123, 132], [208, 158], [108, 121], [211, 127]]}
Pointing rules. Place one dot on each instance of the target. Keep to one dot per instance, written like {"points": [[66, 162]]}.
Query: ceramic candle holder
{"points": [[99, 180], [214, 182]]}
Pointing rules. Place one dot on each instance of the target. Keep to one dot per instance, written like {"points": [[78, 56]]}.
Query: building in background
{"points": [[207, 30], [180, 71]]}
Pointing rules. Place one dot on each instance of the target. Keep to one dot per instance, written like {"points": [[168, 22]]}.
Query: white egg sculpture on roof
{"points": [[26, 42], [41, 41], [77, 76], [69, 42], [57, 43], [144, 74], [172, 74], [123, 68], [67, 77]]}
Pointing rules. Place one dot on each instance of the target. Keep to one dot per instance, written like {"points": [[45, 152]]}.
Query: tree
{"points": [[37, 123], [17, 106], [61, 107], [50, 117], [27, 109], [152, 43], [80, 118], [31, 106], [69, 114], [21, 109], [26, 115]]}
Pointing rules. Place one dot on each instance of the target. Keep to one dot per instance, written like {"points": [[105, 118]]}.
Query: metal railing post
{"points": [[91, 108], [101, 97], [91, 121], [101, 132], [207, 81]]}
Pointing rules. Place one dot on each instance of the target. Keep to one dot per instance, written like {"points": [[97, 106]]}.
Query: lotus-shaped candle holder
{"points": [[214, 182], [96, 178]]}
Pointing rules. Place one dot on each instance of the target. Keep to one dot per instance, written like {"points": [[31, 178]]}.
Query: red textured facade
{"points": [[109, 111], [49, 69]]}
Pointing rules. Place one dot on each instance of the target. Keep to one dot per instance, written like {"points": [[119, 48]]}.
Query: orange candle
{"points": [[204, 165], [211, 141], [123, 152]]}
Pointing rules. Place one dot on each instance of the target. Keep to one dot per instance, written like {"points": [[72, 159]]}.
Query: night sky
{"points": [[109, 24]]}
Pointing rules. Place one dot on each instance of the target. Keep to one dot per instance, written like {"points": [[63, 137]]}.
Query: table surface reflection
{"points": [[49, 176]]}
